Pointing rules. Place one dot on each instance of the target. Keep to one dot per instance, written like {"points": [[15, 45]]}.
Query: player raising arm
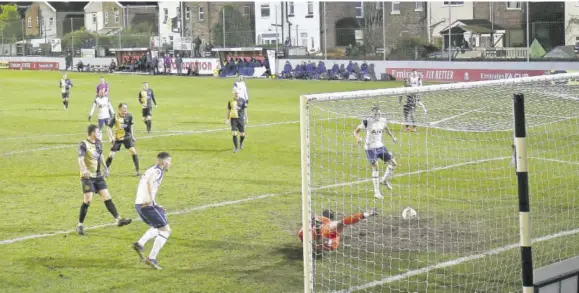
{"points": [[327, 231], [236, 116], [147, 98], [90, 161], [122, 124], [150, 212], [65, 86], [375, 148], [105, 111]]}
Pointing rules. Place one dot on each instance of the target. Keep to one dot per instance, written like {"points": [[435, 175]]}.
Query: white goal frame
{"points": [[307, 100]]}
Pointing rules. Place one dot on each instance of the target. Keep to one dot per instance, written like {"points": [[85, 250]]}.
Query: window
{"points": [[37, 22], [106, 18], [514, 5], [187, 12], [117, 17], [29, 22], [395, 8], [165, 15], [51, 22], [379, 5], [453, 3], [264, 10], [201, 14], [94, 18], [310, 8], [292, 8], [359, 9], [246, 11], [419, 6]]}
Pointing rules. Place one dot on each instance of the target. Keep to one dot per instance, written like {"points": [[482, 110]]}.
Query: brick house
{"points": [[49, 20], [111, 17], [201, 17], [348, 22], [508, 15]]}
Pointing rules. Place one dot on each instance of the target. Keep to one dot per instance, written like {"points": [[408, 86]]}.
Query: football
{"points": [[409, 213]]}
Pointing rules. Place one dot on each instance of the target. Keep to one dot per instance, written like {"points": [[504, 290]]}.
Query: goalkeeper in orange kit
{"points": [[327, 231]]}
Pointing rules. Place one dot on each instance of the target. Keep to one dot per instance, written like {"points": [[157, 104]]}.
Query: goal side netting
{"points": [[455, 170]]}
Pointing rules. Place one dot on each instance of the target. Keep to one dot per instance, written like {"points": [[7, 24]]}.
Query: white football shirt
{"points": [[374, 129], [415, 79], [153, 177], [241, 88], [103, 106]]}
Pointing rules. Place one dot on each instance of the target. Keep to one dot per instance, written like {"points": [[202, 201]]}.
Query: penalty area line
{"points": [[555, 161], [150, 136], [454, 262], [239, 201]]}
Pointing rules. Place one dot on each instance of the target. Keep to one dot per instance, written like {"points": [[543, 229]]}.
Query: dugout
{"points": [[246, 61]]}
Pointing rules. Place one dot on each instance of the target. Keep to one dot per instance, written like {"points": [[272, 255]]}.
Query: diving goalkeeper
{"points": [[327, 231]]}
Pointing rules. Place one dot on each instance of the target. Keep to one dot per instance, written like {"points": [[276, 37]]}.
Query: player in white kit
{"points": [[375, 149], [240, 88], [152, 213], [413, 80], [105, 112]]}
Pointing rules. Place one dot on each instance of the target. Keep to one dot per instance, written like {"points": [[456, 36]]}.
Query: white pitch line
{"points": [[555, 160], [150, 136], [455, 116], [453, 262], [234, 202], [418, 172], [40, 135]]}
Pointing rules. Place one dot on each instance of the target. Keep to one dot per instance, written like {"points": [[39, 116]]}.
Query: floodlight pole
{"points": [[528, 34]]}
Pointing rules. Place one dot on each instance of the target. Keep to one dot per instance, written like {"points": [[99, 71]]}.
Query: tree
{"points": [[10, 23], [238, 32]]}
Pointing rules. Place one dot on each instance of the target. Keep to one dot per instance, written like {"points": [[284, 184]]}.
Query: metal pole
{"points": [[383, 31], [45, 37], [449, 33], [492, 16], [223, 27], [276, 33], [72, 36], [523, 192], [182, 18], [528, 35], [325, 34]]}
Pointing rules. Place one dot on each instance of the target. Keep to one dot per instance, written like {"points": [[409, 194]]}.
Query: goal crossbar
{"points": [[437, 87]]}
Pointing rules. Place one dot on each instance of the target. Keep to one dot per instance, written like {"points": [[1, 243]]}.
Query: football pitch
{"points": [[235, 216]]}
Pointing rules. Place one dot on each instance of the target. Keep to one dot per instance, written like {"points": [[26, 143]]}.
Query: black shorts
{"points": [[94, 185], [127, 142], [65, 95], [147, 112], [237, 124]]}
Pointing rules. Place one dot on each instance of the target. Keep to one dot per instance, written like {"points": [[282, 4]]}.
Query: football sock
{"points": [[64, 103], [109, 161], [353, 219], [389, 172], [159, 242], [235, 141], [136, 162], [241, 139], [83, 212], [376, 181], [111, 207], [150, 125], [150, 234]]}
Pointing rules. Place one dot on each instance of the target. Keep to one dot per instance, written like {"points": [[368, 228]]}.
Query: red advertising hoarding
{"points": [[33, 65], [462, 75]]}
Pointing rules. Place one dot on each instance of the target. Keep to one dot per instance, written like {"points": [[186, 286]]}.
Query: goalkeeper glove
{"points": [[89, 118]]}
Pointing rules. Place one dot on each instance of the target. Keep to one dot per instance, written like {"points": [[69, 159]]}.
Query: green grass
{"points": [[226, 238]]}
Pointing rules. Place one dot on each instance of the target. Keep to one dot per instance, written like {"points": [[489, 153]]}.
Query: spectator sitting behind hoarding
{"points": [[68, 61], [287, 70], [80, 66], [112, 66]]}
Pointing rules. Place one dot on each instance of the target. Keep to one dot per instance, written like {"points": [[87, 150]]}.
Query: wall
{"points": [[33, 14], [571, 14], [304, 25], [111, 8], [94, 8], [438, 15], [166, 28]]}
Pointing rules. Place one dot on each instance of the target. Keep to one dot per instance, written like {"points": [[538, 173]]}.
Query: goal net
{"points": [[455, 171]]}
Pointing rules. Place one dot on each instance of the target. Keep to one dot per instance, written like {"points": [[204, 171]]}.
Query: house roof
{"points": [[482, 26], [66, 6], [128, 3]]}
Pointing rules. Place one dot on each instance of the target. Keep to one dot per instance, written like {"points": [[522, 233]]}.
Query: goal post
{"points": [[458, 172]]}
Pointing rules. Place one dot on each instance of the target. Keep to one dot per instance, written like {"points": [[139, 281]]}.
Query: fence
{"points": [[372, 30]]}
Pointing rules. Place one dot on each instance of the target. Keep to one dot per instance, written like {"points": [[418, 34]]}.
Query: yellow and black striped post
{"points": [[523, 190]]}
